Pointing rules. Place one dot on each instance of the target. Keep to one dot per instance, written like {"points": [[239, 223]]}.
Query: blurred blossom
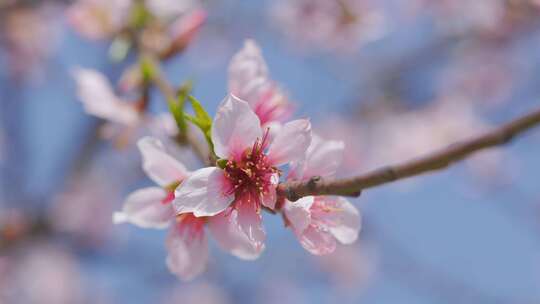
{"points": [[126, 120], [449, 119], [169, 25], [197, 293], [29, 35], [43, 274], [99, 19], [282, 290], [463, 15], [250, 81], [330, 24], [92, 193], [481, 75], [490, 18], [350, 268]]}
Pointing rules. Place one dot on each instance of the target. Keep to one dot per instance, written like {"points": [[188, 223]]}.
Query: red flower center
{"points": [[251, 175]]}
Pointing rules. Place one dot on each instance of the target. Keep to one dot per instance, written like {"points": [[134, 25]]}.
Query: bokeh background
{"points": [[398, 79]]}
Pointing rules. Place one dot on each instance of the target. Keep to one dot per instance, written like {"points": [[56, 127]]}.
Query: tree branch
{"points": [[431, 162]]}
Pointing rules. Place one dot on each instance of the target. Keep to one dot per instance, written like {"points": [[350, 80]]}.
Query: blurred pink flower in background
{"points": [[197, 293], [125, 120], [99, 19], [92, 193], [318, 221], [29, 36], [250, 81], [42, 274], [248, 179], [330, 24], [350, 268], [451, 15]]}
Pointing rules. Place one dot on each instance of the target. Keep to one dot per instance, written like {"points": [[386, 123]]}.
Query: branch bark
{"points": [[436, 160]]}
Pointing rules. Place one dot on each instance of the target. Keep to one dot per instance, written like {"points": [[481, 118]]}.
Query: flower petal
{"points": [[316, 241], [161, 167], [226, 231], [144, 208], [187, 251], [235, 128], [298, 213], [323, 158], [98, 98], [250, 223], [346, 221], [291, 143], [248, 74], [269, 199], [203, 193]]}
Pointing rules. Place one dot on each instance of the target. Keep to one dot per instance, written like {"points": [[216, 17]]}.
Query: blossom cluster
{"points": [[256, 147]]}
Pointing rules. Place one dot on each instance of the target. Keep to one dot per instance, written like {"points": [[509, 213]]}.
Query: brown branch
{"points": [[431, 162]]}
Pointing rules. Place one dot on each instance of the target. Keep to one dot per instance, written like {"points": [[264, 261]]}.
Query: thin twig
{"points": [[163, 85], [431, 162]]}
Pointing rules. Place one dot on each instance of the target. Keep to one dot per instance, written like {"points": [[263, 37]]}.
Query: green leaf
{"points": [[177, 107], [139, 15], [148, 70], [201, 119]]}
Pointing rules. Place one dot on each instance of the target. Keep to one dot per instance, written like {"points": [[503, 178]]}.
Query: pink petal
{"points": [[144, 208], [269, 199], [323, 158], [161, 167], [345, 221], [298, 213], [317, 241], [250, 223], [203, 193], [248, 74], [291, 143], [187, 251], [226, 231], [98, 98], [235, 128]]}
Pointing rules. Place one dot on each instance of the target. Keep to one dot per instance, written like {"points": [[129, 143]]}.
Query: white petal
{"points": [[98, 98], [248, 73], [269, 199], [161, 167], [187, 254], [203, 193], [235, 128], [291, 143], [230, 238], [317, 241], [323, 158], [298, 213], [347, 221], [145, 208], [250, 223]]}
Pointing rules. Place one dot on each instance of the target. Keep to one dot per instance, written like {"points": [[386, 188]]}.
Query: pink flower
{"points": [[98, 19], [250, 81], [186, 242], [125, 120], [247, 177], [98, 98], [330, 24], [320, 221]]}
